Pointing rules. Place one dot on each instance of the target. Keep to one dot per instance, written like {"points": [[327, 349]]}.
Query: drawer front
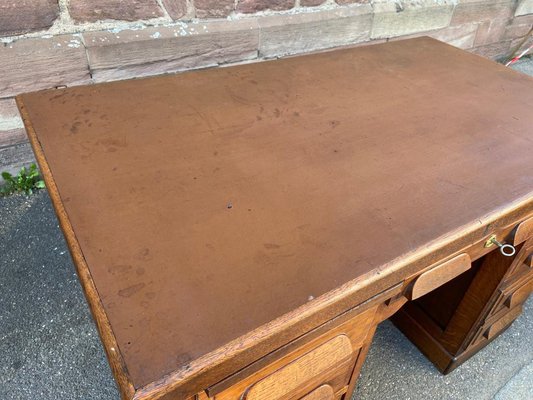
{"points": [[514, 290], [520, 295], [326, 361], [324, 392], [439, 275], [523, 232], [502, 323], [522, 264], [331, 358]]}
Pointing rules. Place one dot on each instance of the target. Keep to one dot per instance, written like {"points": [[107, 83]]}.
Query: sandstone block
{"points": [[525, 7], [491, 31], [157, 50], [466, 12], [461, 36], [300, 33], [407, 17], [495, 51], [11, 127], [519, 27], [33, 64]]}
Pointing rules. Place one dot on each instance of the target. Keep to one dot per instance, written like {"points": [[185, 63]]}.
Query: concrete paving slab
{"points": [[519, 387]]}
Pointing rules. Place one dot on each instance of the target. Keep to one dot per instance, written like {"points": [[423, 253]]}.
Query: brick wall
{"points": [[50, 43]]}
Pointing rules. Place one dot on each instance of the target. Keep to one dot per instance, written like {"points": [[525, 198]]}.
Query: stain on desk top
{"points": [[209, 203]]}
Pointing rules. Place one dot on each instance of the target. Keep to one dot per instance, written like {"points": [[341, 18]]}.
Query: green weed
{"points": [[27, 180]]}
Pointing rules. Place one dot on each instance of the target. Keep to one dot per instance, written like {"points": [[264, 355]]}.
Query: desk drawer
{"points": [[330, 362], [523, 231], [324, 392], [522, 264], [495, 328], [309, 371]]}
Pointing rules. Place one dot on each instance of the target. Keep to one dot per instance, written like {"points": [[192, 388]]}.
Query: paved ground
{"points": [[49, 347]]}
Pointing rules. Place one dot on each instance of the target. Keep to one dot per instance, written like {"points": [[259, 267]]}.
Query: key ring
{"points": [[506, 249]]}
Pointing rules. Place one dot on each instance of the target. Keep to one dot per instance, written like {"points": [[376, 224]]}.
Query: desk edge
{"points": [[237, 354]]}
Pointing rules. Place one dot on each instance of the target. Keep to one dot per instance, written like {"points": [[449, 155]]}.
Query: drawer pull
{"points": [[439, 275], [523, 231], [335, 353], [520, 295], [502, 323], [324, 392], [507, 250]]}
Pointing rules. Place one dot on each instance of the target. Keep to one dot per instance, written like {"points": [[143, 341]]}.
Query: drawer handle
{"points": [[438, 276], [334, 355], [523, 232], [507, 250]]}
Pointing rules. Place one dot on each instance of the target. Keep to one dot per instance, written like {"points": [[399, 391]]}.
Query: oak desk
{"points": [[240, 232]]}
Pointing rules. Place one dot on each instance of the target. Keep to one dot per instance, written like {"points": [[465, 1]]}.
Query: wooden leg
{"points": [[384, 311]]}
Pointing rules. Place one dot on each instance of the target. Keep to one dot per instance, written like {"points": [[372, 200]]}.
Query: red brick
{"points": [[213, 8], [126, 10], [23, 16], [175, 8], [252, 6], [311, 3], [33, 64]]}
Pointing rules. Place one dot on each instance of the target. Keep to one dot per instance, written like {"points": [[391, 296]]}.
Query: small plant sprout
{"points": [[27, 180]]}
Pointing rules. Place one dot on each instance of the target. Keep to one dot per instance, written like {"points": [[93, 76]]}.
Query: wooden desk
{"points": [[240, 232]]}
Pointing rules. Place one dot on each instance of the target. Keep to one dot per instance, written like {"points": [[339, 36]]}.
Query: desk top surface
{"points": [[209, 203]]}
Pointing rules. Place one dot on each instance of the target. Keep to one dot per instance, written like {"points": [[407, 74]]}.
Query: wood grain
{"points": [[357, 318], [439, 275], [324, 392], [520, 295], [523, 232], [332, 354], [355, 330], [503, 322]]}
